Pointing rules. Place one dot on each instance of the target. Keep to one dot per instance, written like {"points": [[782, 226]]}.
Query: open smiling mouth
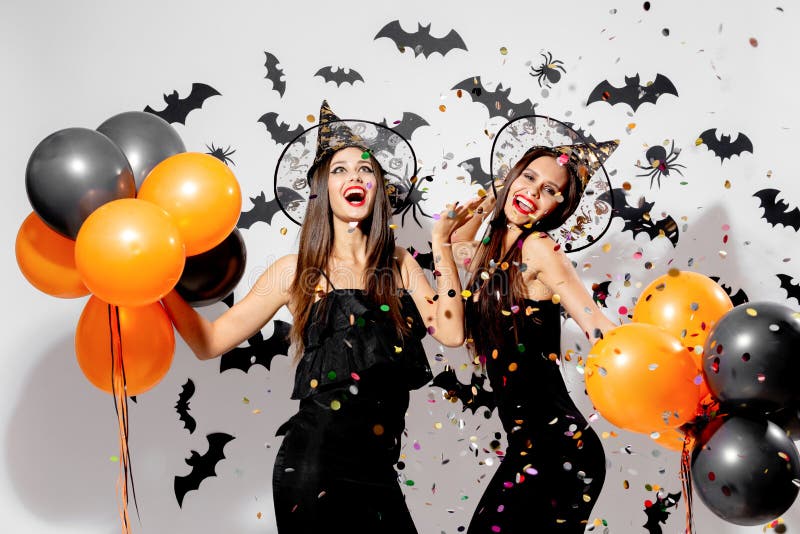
{"points": [[355, 196], [523, 205]]}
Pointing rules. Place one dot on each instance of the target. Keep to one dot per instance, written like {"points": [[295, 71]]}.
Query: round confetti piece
{"points": [[442, 108], [753, 42], [665, 32], [503, 50], [377, 430], [365, 154], [451, 293], [385, 307], [331, 375], [314, 383], [556, 298], [335, 405], [466, 293], [283, 230], [311, 118], [512, 366]]}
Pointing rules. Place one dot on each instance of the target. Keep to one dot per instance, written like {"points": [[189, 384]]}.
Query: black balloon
{"points": [[211, 276], [788, 418], [752, 357], [73, 172], [746, 470]]}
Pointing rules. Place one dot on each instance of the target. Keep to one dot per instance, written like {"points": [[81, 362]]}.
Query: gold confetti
{"points": [[512, 366], [256, 411], [727, 184], [442, 108], [398, 350], [393, 226], [283, 231], [607, 247], [310, 118], [503, 50], [314, 383], [437, 425], [335, 405], [258, 515], [377, 430], [466, 293], [556, 298], [751, 312]]}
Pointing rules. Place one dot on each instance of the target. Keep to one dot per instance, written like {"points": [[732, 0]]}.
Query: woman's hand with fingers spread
{"points": [[453, 218]]}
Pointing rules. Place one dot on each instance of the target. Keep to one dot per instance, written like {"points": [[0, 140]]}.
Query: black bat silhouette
{"points": [[259, 351], [740, 297], [274, 74], [203, 466], [632, 93], [777, 211], [471, 395], [408, 124], [476, 172], [264, 210], [496, 101], [583, 135], [600, 293], [792, 288], [182, 406], [421, 41], [657, 512], [339, 76], [638, 218], [722, 147], [178, 108], [280, 133], [424, 259]]}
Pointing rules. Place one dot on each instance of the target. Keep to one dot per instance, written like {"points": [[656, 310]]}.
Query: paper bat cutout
{"points": [[722, 147], [777, 211], [476, 172], [281, 134], [425, 260], [264, 210], [408, 124], [182, 406], [203, 466], [496, 101], [421, 41], [632, 93], [792, 288], [339, 76], [600, 293], [657, 513], [471, 395], [740, 297], [638, 218], [259, 351], [178, 108], [584, 136], [274, 74]]}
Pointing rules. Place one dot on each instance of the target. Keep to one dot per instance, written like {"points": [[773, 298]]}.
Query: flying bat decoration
{"points": [[275, 74], [421, 41], [472, 395], [182, 406], [657, 513], [632, 93], [476, 172], [203, 466], [723, 148], [496, 102], [424, 259], [280, 133], [339, 75], [259, 351], [264, 210], [583, 134], [638, 218], [777, 211], [740, 297], [791, 287], [407, 125], [178, 108]]}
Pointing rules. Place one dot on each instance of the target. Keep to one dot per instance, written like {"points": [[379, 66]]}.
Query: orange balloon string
{"points": [[686, 478]]}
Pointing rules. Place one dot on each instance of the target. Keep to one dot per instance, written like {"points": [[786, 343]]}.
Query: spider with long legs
{"points": [[660, 163], [412, 199], [221, 154], [549, 70]]}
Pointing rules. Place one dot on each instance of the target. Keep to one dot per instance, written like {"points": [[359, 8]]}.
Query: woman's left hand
{"points": [[453, 218]]}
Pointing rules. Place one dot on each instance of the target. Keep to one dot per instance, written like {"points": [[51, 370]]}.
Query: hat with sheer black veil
{"points": [[519, 137], [302, 156]]}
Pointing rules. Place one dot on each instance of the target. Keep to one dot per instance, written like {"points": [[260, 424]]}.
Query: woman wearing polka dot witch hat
{"points": [[548, 180], [361, 306]]}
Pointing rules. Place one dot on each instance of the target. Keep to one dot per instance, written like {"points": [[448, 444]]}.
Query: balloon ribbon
{"points": [[686, 478]]}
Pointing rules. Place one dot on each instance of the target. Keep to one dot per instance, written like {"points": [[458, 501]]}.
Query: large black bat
{"points": [[280, 133], [424, 259], [600, 293], [407, 125], [182, 406], [178, 108], [632, 93], [657, 513], [263, 210], [777, 211], [476, 172], [471, 395], [740, 297], [259, 351], [274, 74], [203, 466], [638, 218], [421, 41], [496, 101], [792, 289], [723, 148], [339, 75], [583, 135]]}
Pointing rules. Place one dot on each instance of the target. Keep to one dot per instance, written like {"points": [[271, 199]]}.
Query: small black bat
{"points": [[274, 74], [638, 218], [777, 211], [259, 351], [583, 136], [471, 395], [600, 293], [632, 93], [723, 148], [496, 101], [178, 108], [182, 406], [203, 466], [421, 41], [792, 288], [264, 210], [280, 133], [408, 124], [476, 172], [339, 76], [740, 297], [425, 260], [657, 513]]}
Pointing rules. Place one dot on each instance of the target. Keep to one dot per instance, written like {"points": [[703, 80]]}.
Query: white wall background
{"points": [[77, 63]]}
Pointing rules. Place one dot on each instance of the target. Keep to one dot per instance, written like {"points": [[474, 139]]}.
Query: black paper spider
{"points": [[412, 199], [548, 70], [660, 163], [220, 154]]}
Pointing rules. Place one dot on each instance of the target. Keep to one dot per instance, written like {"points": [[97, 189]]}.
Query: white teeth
{"points": [[524, 204]]}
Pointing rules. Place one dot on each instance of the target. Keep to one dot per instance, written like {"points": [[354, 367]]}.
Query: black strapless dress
{"points": [[554, 466], [334, 471]]}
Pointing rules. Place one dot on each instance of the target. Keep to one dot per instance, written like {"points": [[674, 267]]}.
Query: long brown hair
{"points": [[316, 247], [501, 288]]}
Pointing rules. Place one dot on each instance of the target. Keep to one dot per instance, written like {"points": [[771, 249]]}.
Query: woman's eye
{"points": [[549, 191], [337, 169], [366, 168]]}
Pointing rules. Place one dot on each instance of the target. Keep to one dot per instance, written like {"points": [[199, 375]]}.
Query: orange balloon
{"points": [[642, 379], [671, 438], [129, 252], [202, 195], [147, 344], [47, 259], [684, 303]]}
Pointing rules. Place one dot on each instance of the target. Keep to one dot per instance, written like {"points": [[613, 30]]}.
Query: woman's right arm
{"points": [[469, 231], [209, 339]]}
